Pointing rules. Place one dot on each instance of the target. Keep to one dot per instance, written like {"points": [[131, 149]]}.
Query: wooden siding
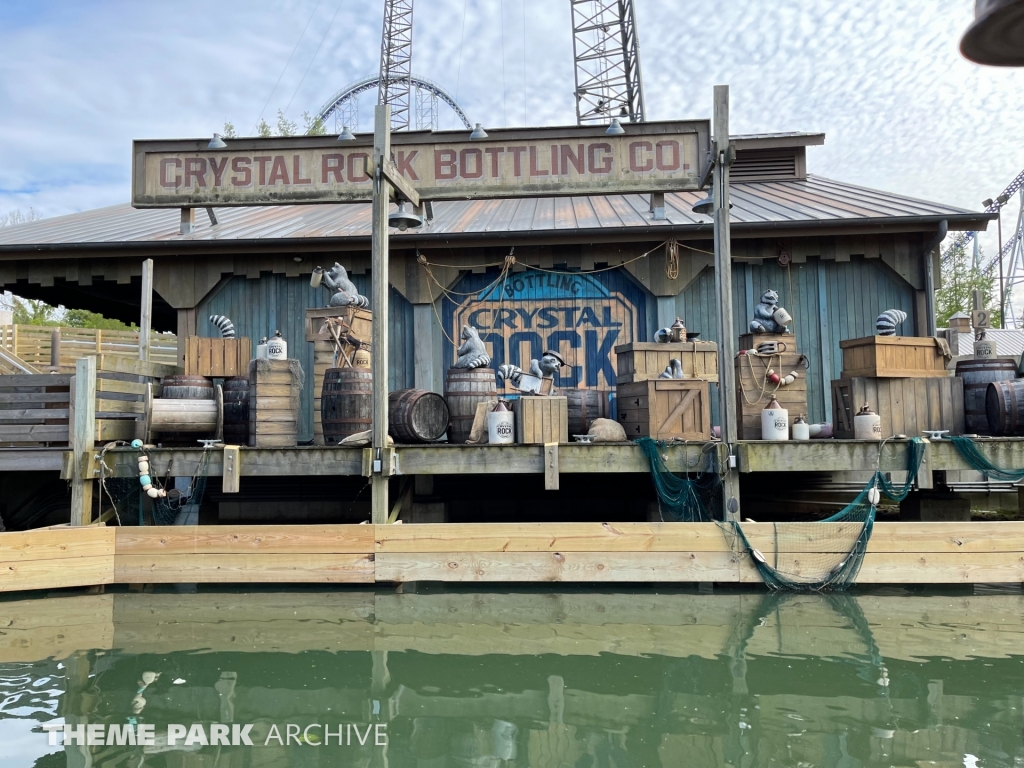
{"points": [[854, 292], [277, 302]]}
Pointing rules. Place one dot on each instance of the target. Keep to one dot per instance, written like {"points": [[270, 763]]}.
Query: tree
{"points": [[17, 217], [314, 125], [960, 279], [285, 127], [228, 132], [83, 318], [263, 130], [34, 312]]}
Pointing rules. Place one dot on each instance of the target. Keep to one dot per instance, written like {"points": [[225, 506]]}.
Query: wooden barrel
{"points": [[346, 403], [585, 405], [977, 375], [463, 389], [236, 411], [417, 416], [187, 388], [1004, 406]]}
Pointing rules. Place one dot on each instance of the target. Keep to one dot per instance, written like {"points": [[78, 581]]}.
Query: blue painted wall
{"points": [[852, 294], [259, 307]]}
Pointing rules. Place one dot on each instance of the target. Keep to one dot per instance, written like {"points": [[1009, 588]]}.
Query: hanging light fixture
{"points": [[217, 142], [707, 205], [615, 128], [346, 134], [403, 219], [478, 133]]}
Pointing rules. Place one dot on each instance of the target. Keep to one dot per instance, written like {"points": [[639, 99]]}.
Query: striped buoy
{"points": [[886, 323], [227, 328]]}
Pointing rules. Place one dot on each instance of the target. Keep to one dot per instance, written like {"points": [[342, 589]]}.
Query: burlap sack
{"points": [[607, 431], [361, 440]]}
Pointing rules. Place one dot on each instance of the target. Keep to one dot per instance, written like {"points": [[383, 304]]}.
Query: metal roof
{"points": [[1008, 341], [770, 205]]}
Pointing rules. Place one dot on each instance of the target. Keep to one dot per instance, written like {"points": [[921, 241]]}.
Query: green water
{"points": [[532, 678]]}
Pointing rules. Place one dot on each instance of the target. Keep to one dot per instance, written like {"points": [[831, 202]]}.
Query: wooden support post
{"points": [[83, 436], [423, 346], [232, 469], [55, 348], [146, 321], [379, 303], [550, 466], [188, 221], [723, 287]]}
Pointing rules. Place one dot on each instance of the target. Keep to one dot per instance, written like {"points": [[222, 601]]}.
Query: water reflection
{"points": [[540, 679]]}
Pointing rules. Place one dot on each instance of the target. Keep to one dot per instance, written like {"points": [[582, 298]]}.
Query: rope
{"points": [[969, 452]]}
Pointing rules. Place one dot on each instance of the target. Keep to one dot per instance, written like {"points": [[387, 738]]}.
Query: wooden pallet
{"points": [[907, 406], [752, 394], [645, 361], [666, 409], [217, 357]]}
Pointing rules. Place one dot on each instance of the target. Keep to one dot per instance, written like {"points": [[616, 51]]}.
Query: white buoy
{"points": [[500, 425], [774, 422]]}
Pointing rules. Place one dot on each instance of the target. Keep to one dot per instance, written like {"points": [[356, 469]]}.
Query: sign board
{"points": [[540, 162], [582, 316], [980, 318]]}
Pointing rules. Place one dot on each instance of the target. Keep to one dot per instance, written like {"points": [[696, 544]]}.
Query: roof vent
{"points": [[768, 165]]}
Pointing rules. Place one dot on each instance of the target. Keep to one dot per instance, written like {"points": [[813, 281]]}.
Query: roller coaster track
{"points": [[964, 238]]}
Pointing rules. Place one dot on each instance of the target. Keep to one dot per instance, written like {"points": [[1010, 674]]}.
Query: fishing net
{"points": [[826, 554], [124, 495], [684, 499], [969, 452]]}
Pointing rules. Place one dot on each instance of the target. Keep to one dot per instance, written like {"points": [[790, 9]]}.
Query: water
{"points": [[533, 678]]}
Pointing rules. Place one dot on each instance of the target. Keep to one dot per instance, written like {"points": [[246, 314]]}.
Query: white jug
{"points": [[801, 429], [500, 423], [867, 425], [277, 347], [774, 422]]}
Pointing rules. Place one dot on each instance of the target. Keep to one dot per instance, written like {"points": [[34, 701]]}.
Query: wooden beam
{"points": [[395, 178], [723, 290], [550, 466], [146, 320], [379, 302], [83, 434], [232, 469]]}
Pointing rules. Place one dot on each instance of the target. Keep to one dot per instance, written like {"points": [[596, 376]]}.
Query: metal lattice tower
{"points": [[607, 53], [395, 82], [1014, 249]]}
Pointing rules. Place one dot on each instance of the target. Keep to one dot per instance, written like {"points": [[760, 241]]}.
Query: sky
{"points": [[901, 109]]}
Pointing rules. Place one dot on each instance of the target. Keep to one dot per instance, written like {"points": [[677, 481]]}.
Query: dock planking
{"points": [[899, 552]]}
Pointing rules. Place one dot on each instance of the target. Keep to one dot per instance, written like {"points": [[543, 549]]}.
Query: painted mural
{"points": [[581, 316]]}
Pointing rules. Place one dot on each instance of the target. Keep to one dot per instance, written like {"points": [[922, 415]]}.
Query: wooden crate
{"points": [[907, 406], [751, 340], [893, 356], [359, 323], [752, 395], [666, 409], [273, 416], [217, 357], [541, 420], [644, 361]]}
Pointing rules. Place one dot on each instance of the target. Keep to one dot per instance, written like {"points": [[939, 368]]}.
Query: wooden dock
{"points": [[899, 552]]}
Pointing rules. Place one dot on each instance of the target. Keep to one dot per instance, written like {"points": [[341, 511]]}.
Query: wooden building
{"points": [[837, 254]]}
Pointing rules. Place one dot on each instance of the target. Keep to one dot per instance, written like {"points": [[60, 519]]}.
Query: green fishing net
{"points": [[969, 452], [825, 555], [801, 557], [696, 499]]}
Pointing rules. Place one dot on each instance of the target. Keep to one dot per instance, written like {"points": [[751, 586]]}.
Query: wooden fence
{"points": [[37, 410], [33, 344]]}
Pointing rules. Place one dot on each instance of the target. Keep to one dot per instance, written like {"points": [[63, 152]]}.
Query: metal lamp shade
{"points": [[997, 35]]}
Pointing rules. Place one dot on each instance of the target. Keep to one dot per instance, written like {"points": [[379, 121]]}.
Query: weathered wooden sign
{"points": [[541, 162]]}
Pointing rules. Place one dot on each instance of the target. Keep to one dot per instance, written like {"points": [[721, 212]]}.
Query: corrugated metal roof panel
{"points": [[1008, 341], [812, 201]]}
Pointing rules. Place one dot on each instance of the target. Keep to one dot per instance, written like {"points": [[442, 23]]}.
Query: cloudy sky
{"points": [[883, 79]]}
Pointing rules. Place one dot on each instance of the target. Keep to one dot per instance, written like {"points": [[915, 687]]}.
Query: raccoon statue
{"points": [[345, 293], [472, 353], [764, 320]]}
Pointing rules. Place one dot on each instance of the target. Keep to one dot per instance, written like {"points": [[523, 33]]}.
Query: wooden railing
{"points": [[33, 344]]}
